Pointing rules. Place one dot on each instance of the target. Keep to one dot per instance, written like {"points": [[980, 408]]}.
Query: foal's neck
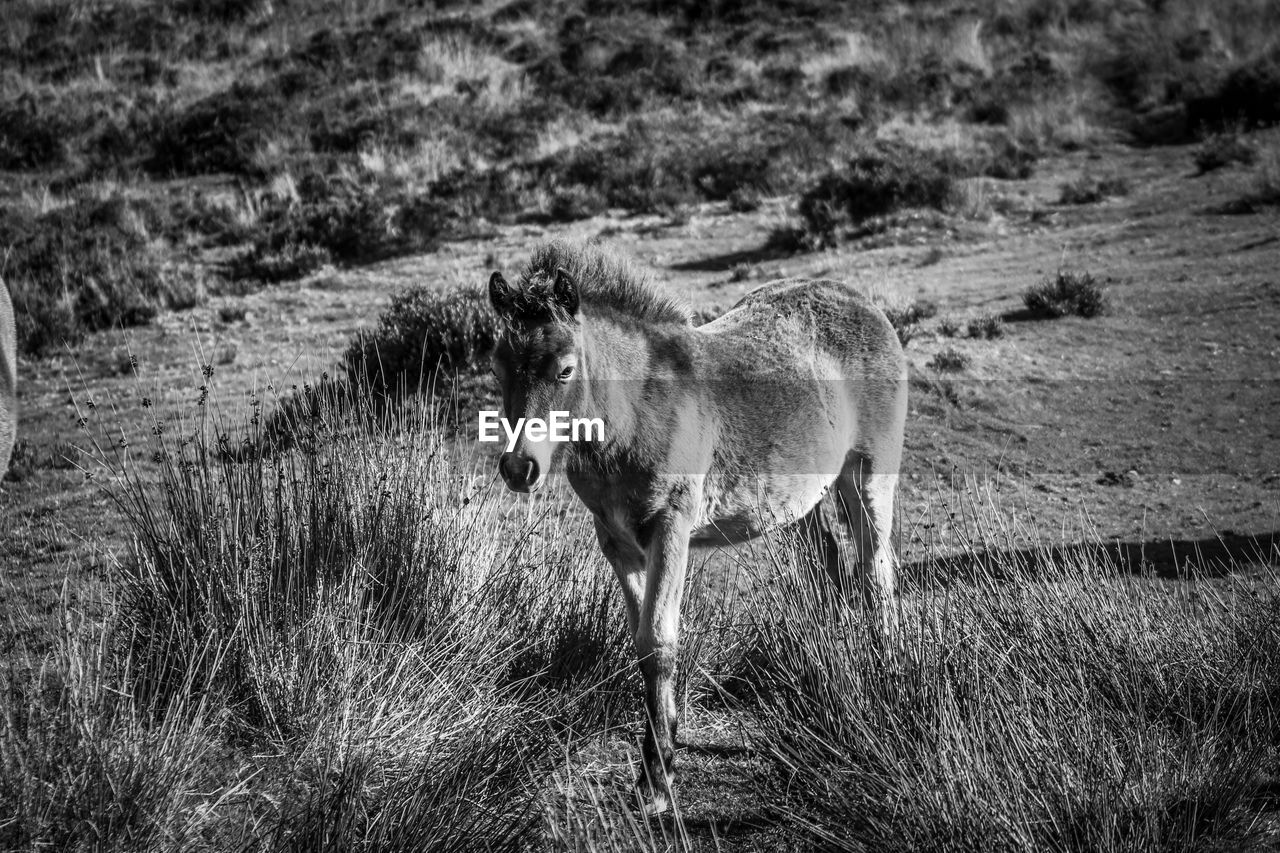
{"points": [[618, 362]]}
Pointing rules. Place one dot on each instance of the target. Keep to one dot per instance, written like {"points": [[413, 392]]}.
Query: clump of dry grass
{"points": [[85, 763], [949, 360], [375, 637], [1069, 706], [985, 327]]}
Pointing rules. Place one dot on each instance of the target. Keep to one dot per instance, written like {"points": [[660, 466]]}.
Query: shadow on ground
{"points": [[1169, 559]]}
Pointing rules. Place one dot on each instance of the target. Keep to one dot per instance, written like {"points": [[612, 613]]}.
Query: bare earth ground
{"points": [[1155, 426]]}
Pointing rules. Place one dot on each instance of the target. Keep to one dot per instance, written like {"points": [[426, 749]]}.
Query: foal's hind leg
{"points": [[867, 495], [818, 538]]}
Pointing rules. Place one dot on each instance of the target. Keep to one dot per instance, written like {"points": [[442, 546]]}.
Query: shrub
{"points": [[422, 331], [343, 221], [906, 319], [744, 200], [1248, 95], [657, 165], [1065, 293], [221, 133], [1003, 158], [1264, 188], [576, 202], [1090, 190], [933, 256], [948, 327], [885, 178], [287, 263], [911, 313], [878, 182], [948, 360], [85, 267], [985, 327], [791, 239], [30, 137], [1223, 149], [614, 65]]}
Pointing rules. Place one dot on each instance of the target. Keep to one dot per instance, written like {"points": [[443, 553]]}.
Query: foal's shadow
{"points": [[1170, 559]]}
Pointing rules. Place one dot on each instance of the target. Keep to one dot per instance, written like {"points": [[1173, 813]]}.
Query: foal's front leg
{"points": [[657, 642]]}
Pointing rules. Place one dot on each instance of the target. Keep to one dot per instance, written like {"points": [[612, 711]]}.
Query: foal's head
{"points": [[536, 364]]}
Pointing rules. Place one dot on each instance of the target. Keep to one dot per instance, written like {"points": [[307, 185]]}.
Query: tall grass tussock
{"points": [[1076, 708]]}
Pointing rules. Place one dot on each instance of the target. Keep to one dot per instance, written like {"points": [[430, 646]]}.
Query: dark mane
{"points": [[605, 280]]}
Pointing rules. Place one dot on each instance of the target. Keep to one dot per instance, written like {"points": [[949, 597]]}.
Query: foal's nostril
{"points": [[520, 472]]}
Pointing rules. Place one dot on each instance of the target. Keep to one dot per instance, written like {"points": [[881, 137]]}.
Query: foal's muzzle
{"points": [[521, 473]]}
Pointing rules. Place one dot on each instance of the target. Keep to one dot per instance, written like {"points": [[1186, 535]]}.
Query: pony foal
{"points": [[712, 435]]}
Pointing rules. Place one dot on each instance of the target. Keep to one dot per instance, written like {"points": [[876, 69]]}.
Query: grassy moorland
{"points": [[321, 624], [154, 153], [356, 645]]}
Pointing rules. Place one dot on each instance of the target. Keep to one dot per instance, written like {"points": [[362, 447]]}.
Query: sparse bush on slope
{"points": [[340, 220], [420, 332], [85, 267], [1066, 293], [879, 182], [1248, 95], [885, 178]]}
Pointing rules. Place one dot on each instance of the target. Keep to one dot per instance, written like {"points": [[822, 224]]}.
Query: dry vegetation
{"points": [[158, 152], [353, 645], [330, 632]]}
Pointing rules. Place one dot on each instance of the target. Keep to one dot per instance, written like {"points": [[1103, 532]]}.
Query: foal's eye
{"points": [[566, 373]]}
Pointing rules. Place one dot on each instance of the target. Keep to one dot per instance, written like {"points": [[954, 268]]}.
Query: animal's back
{"points": [[829, 316], [8, 378], [805, 376]]}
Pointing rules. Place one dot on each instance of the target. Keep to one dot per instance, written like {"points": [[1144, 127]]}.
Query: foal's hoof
{"points": [[654, 803], [652, 799]]}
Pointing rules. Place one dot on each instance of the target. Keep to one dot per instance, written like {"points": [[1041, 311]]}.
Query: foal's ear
{"points": [[501, 295], [566, 292]]}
